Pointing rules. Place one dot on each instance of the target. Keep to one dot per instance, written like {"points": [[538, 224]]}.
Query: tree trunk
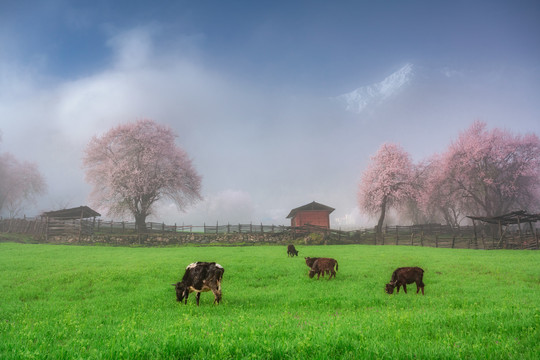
{"points": [[140, 223], [381, 218]]}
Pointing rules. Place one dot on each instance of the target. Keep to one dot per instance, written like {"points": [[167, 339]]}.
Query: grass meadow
{"points": [[71, 302]]}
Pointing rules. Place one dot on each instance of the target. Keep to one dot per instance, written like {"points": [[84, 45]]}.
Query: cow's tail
{"points": [[336, 266]]}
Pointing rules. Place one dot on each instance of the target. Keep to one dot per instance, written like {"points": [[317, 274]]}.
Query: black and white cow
{"points": [[200, 277]]}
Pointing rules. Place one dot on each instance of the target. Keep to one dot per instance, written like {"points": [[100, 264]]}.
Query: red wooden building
{"points": [[311, 214]]}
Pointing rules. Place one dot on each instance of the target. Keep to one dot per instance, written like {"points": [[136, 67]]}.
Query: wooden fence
{"points": [[432, 235]]}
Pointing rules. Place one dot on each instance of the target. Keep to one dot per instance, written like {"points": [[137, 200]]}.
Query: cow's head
{"points": [[389, 288], [310, 261], [312, 273], [182, 291]]}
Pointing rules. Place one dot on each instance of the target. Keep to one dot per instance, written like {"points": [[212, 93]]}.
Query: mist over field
{"points": [[277, 105]]}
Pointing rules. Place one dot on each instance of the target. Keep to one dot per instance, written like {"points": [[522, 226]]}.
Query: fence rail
{"points": [[434, 235]]}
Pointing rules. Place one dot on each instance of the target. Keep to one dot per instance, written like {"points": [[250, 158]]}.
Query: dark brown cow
{"points": [[403, 276], [322, 265], [311, 260], [200, 277], [291, 251]]}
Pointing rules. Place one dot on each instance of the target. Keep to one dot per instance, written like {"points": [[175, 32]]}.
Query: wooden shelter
{"points": [[311, 214], [504, 222], [70, 221]]}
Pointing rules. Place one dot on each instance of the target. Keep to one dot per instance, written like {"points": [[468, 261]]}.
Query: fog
{"points": [[263, 146]]}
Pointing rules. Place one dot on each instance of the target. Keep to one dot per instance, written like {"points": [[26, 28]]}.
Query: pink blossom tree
{"points": [[491, 172], [135, 165], [389, 181], [439, 200], [20, 184]]}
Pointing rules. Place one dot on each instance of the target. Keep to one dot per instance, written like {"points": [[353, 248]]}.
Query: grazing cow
{"points": [[199, 277], [404, 276], [324, 264], [310, 261], [291, 251]]}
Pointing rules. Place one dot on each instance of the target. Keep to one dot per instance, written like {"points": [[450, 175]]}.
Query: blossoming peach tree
{"points": [[135, 165]]}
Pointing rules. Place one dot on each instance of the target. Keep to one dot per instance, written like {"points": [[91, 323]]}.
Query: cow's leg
{"points": [[398, 287], [405, 288], [198, 297], [186, 294], [217, 296]]}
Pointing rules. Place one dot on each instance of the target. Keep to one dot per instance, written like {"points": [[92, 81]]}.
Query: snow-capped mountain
{"points": [[358, 100]]}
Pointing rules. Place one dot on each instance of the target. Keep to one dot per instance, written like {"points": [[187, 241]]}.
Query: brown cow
{"points": [[291, 251], [404, 276], [199, 277], [311, 260], [323, 264]]}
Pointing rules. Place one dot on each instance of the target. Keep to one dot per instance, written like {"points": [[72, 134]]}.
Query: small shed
{"points": [[311, 214], [505, 221], [70, 221], [81, 212]]}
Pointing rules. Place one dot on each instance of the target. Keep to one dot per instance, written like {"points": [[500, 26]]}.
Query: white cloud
{"points": [[133, 48]]}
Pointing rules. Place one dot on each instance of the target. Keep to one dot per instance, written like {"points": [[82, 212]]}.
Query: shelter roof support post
{"points": [[520, 234], [533, 231], [502, 234]]}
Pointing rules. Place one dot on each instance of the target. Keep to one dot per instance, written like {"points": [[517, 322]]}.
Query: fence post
{"points": [[453, 241], [437, 241], [397, 234]]}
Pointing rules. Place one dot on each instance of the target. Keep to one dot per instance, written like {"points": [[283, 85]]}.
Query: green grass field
{"points": [[69, 302]]}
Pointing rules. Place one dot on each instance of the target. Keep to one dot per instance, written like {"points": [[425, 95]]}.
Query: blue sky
{"points": [[249, 88]]}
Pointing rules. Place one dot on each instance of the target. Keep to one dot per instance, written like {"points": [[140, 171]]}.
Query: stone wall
{"points": [[201, 239]]}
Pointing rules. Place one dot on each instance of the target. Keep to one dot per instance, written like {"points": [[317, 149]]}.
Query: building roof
{"points": [[81, 212], [313, 206], [515, 217]]}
